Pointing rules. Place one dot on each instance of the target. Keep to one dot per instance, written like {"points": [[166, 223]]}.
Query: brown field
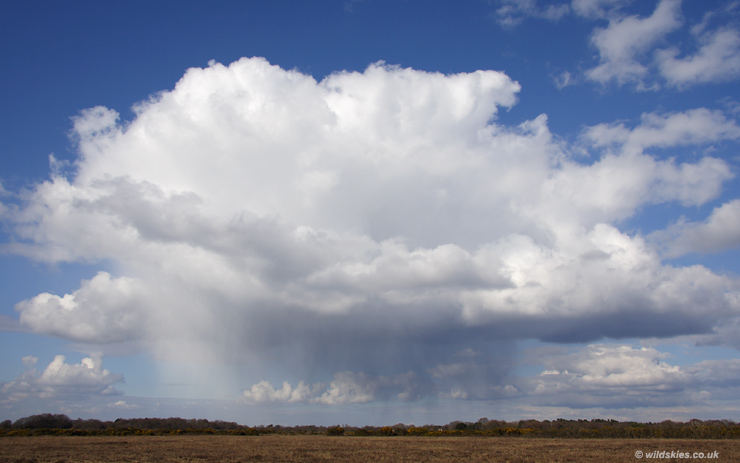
{"points": [[281, 448]]}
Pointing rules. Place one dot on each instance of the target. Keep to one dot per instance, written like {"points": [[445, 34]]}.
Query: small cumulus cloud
{"points": [[626, 39], [61, 380], [345, 388], [123, 405], [719, 232], [718, 59], [618, 375], [633, 50], [695, 126], [104, 309]]}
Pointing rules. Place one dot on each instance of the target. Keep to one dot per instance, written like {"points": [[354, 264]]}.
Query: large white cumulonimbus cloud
{"points": [[376, 223]]}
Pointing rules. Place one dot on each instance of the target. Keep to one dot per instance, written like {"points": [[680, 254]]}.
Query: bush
{"points": [[335, 431], [386, 431]]}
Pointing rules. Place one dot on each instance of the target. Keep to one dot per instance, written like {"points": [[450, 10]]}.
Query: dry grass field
{"points": [[277, 448]]}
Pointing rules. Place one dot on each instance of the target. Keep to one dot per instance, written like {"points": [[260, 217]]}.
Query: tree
{"points": [[47, 420]]}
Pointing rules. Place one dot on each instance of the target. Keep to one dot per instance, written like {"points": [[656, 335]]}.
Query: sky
{"points": [[369, 212]]}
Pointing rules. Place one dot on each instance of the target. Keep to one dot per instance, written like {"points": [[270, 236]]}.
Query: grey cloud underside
{"points": [[378, 223]]}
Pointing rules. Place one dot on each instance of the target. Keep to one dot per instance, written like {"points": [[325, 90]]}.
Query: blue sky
{"points": [[370, 212]]}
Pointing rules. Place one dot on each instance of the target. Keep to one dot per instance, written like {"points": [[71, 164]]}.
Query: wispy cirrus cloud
{"points": [[511, 13]]}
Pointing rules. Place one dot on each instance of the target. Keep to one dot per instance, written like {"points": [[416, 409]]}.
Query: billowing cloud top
{"points": [[379, 228]]}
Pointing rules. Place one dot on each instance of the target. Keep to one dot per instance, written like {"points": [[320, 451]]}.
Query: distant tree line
{"points": [[48, 424], [560, 428], [62, 425]]}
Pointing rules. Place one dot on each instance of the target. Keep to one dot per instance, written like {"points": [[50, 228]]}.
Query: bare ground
{"points": [[276, 448]]}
